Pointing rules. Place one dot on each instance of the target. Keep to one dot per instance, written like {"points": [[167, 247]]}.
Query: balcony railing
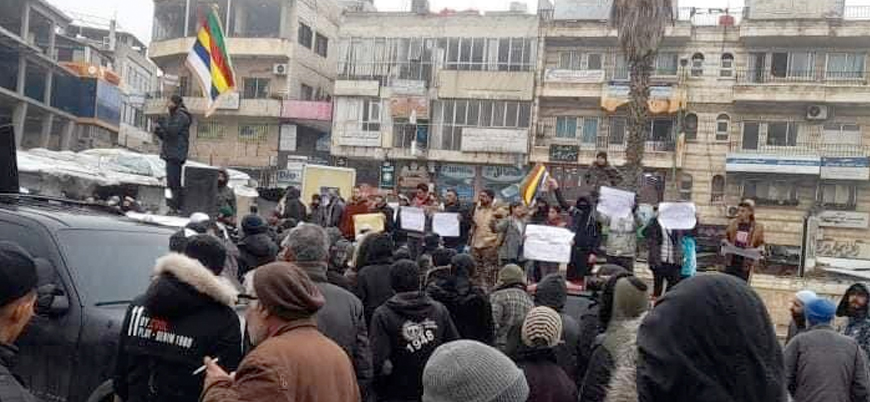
{"points": [[710, 16], [810, 140], [386, 73], [758, 76], [602, 140], [856, 12]]}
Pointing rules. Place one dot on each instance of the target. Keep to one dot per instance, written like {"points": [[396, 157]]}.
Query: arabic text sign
{"points": [[446, 224], [548, 243], [615, 203], [413, 219], [677, 215]]}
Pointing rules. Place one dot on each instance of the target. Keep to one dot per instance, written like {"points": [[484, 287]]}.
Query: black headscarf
{"points": [[843, 309], [709, 339]]}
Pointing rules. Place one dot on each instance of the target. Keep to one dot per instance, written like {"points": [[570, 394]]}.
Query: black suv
{"points": [[93, 263]]}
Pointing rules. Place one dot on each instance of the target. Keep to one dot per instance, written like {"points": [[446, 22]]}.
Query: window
{"points": [[321, 45], [770, 192], [620, 73], [800, 65], [256, 88], [717, 189], [574, 60], [782, 134], [566, 127], [618, 127], [491, 54], [697, 65], [209, 130], [666, 64], [590, 130], [305, 35], [253, 132], [841, 134], [306, 92], [569, 60], [685, 187], [183, 86], [593, 61], [844, 66], [661, 130], [371, 115], [726, 66], [454, 115], [690, 126], [723, 127], [838, 196]]}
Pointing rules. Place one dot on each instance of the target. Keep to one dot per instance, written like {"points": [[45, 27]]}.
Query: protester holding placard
{"points": [[511, 231], [746, 233], [665, 255], [587, 233], [453, 205], [621, 244]]}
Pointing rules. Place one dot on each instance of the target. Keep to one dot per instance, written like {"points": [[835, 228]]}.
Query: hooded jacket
{"points": [[405, 332], [547, 381], [468, 305], [186, 314], [709, 339], [342, 320], [553, 292], [10, 389], [256, 249], [174, 134], [628, 305], [822, 365], [293, 208], [587, 230], [858, 325], [373, 285]]}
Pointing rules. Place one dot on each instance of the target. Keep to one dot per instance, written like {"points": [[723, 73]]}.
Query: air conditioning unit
{"points": [[817, 112], [279, 69], [731, 211]]}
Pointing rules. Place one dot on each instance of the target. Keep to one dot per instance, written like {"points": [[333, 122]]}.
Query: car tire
{"points": [[104, 393]]}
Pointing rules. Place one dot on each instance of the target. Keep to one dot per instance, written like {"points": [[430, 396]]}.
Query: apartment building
{"points": [[284, 58], [33, 81], [767, 102], [444, 98]]}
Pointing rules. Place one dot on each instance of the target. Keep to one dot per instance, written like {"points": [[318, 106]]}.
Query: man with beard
{"points": [[854, 306], [452, 204], [226, 198], [798, 318]]}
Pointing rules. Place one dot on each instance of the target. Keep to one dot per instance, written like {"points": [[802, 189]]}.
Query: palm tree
{"points": [[641, 27]]}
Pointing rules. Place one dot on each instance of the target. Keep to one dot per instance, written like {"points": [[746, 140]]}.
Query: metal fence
{"points": [[785, 76]]}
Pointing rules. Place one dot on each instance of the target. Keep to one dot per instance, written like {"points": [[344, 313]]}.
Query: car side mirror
{"points": [[51, 301]]}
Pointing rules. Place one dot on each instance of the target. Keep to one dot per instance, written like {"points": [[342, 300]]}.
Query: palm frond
{"points": [[641, 24]]}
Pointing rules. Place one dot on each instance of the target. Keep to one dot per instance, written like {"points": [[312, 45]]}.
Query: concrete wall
{"points": [[407, 25], [791, 9]]}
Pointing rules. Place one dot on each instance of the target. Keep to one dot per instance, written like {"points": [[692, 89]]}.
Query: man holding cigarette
{"points": [[186, 314]]}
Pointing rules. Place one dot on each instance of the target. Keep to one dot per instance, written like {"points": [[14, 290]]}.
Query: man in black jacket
{"points": [[405, 331], [17, 301], [174, 134], [453, 205], [373, 280], [341, 318], [256, 247], [185, 315]]}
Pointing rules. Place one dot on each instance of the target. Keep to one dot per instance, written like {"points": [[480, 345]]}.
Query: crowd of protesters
{"points": [[333, 313]]}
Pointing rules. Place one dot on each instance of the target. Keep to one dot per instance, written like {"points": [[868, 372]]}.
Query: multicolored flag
{"points": [[536, 179], [209, 61]]}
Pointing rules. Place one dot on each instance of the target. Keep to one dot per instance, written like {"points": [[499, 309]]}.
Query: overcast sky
{"points": [[135, 15]]}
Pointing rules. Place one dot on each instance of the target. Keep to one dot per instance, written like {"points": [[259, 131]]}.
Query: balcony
{"points": [[155, 104], [277, 48], [802, 86], [507, 85], [565, 83], [415, 141]]}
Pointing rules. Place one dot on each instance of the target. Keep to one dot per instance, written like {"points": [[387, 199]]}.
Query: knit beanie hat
{"points": [[805, 296], [542, 328], [820, 311], [511, 274], [254, 224], [469, 371]]}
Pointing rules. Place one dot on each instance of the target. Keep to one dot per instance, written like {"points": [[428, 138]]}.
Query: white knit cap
{"points": [[469, 371], [542, 327], [805, 296]]}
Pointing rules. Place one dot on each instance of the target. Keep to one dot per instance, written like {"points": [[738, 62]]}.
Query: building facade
{"points": [[767, 103], [442, 98], [285, 66], [32, 83]]}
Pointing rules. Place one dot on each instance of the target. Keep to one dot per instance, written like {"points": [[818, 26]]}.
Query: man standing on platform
{"points": [[484, 241], [174, 132]]}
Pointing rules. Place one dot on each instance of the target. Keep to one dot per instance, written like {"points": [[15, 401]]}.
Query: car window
{"points": [[111, 267], [26, 237]]}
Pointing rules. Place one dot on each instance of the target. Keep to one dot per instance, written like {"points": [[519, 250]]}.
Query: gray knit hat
{"points": [[542, 327], [469, 371]]}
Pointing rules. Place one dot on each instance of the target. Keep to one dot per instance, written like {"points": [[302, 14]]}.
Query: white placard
{"points": [[751, 253], [547, 243], [677, 215], [413, 218], [446, 224], [615, 203], [288, 138]]}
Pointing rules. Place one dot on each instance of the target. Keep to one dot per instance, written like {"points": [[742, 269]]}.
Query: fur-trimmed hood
{"points": [[622, 344], [182, 284]]}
